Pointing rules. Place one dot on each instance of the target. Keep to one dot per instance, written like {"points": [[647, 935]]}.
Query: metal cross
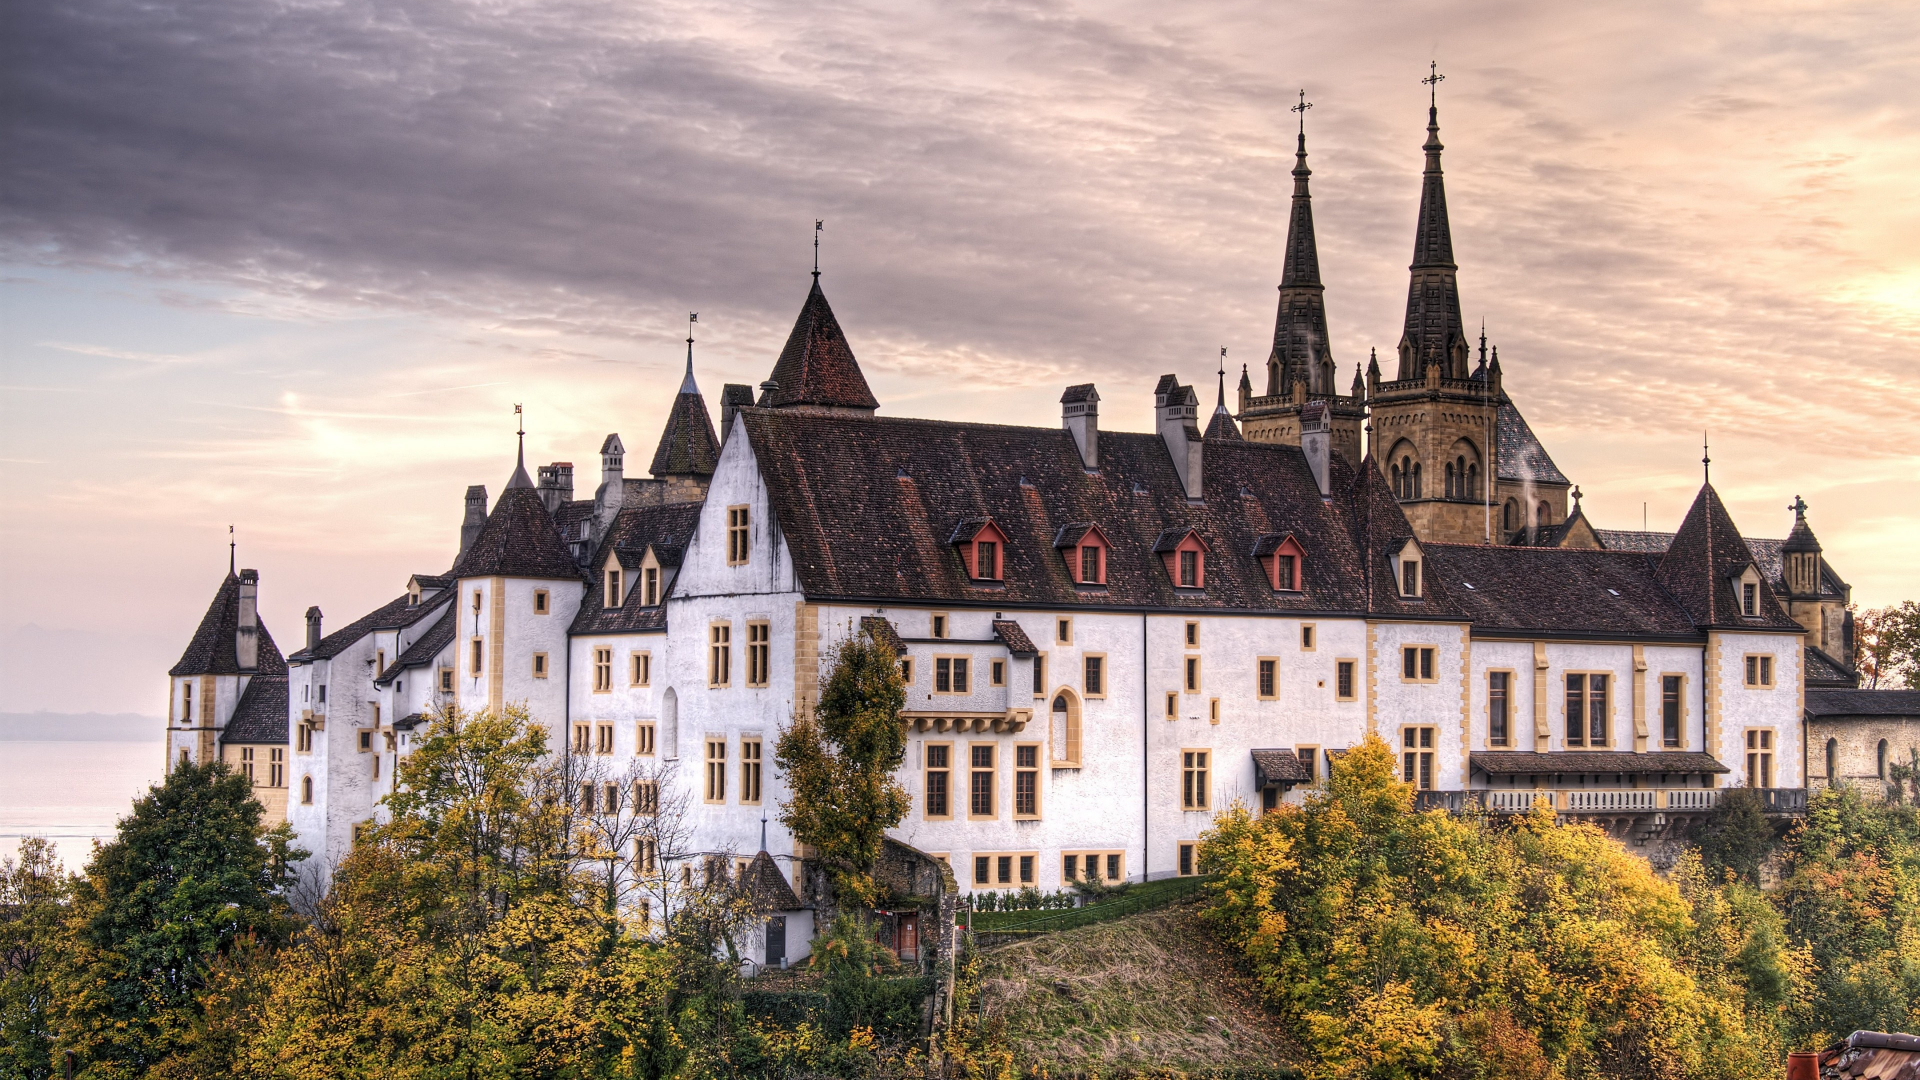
{"points": [[1433, 81], [1799, 507], [1302, 110]]}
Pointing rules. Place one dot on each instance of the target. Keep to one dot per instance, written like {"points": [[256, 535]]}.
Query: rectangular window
{"points": [[1095, 683], [1670, 709], [1193, 635], [366, 741], [641, 665], [1193, 674], [759, 653], [1026, 869], [986, 560], [186, 702], [376, 766], [1416, 757], [1189, 569], [1283, 579], [1004, 864], [717, 770], [646, 797], [1173, 705], [379, 660], [719, 655], [999, 670], [939, 624], [1063, 631], [737, 536], [473, 667], [614, 593], [539, 665], [1193, 780], [750, 771], [939, 780], [246, 762], [1090, 564], [1026, 781], [1760, 759], [611, 794], [540, 601], [1499, 708], [303, 739], [1416, 663], [1186, 860], [603, 738], [643, 734], [980, 790], [446, 680], [1310, 757], [603, 669], [1343, 679], [950, 675], [583, 738], [1213, 710], [651, 577], [1306, 637], [1040, 675], [906, 670], [982, 870], [646, 856], [1587, 711], [1269, 687], [1749, 598], [1409, 577], [1759, 671], [589, 801]]}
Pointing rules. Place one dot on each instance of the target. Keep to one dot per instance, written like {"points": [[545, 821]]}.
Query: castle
{"points": [[1107, 637]]}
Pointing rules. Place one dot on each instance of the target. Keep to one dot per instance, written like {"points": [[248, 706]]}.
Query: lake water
{"points": [[72, 792]]}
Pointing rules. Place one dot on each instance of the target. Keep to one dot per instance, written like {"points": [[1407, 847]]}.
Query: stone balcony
{"points": [[1601, 802]]}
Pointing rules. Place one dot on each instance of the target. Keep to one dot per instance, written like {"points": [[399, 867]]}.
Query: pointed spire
{"points": [[1246, 383], [1359, 384], [687, 385], [1801, 538], [1221, 425], [520, 478], [1300, 347], [233, 551], [817, 367], [1434, 332], [687, 445]]}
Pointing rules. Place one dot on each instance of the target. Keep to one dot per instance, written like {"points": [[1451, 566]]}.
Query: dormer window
{"points": [[1408, 570], [1185, 556], [613, 586], [651, 586], [986, 560], [1284, 561], [982, 548], [1746, 591], [1084, 549]]}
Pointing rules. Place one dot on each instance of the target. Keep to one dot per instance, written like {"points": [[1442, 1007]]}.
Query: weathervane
{"points": [[818, 224], [1302, 110], [1706, 462], [1432, 83], [232, 551]]}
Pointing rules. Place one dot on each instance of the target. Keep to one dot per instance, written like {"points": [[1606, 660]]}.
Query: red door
{"points": [[906, 937]]}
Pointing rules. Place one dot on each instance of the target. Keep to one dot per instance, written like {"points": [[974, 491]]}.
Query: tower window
{"points": [[737, 536]]}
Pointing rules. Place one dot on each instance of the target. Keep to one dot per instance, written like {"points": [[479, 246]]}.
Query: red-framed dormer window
{"points": [[984, 550], [1085, 549], [1186, 559], [1285, 563]]}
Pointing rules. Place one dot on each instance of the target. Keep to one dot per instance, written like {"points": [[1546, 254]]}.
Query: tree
{"points": [[191, 874], [839, 762], [1887, 645], [1737, 837], [31, 936]]}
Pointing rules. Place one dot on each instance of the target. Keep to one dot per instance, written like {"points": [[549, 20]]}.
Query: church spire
{"points": [[1434, 333], [1300, 350]]}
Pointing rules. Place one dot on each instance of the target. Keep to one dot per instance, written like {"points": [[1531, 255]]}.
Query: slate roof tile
{"points": [[1566, 590], [424, 648], [260, 717], [668, 529], [817, 366], [519, 539], [213, 649], [1015, 639], [1279, 766], [1520, 455], [1831, 703], [767, 887], [1699, 566], [395, 614], [687, 444]]}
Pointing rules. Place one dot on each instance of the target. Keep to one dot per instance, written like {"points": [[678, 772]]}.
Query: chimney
{"points": [[1175, 410], [1080, 415], [1316, 441], [556, 486], [246, 635], [475, 520], [612, 492], [313, 627], [733, 398]]}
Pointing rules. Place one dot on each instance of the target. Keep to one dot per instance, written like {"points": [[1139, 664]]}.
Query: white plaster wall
{"points": [[1399, 703], [1777, 708]]}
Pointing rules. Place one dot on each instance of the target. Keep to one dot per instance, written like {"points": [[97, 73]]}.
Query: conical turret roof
{"points": [[817, 366], [519, 539], [687, 445], [1703, 560], [213, 650]]}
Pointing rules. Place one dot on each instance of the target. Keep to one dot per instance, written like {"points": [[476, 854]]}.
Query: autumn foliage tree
{"points": [[839, 761]]}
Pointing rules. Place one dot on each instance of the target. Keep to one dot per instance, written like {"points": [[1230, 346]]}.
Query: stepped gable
{"points": [[519, 539], [687, 445], [1570, 591], [426, 647], [213, 650], [1700, 564], [668, 529], [261, 715], [1520, 456], [817, 366], [868, 506]]}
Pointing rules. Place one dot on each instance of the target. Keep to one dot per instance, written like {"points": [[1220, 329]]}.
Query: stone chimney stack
{"points": [[733, 398], [556, 486], [612, 492], [246, 635], [1176, 409], [1316, 441], [475, 520], [1080, 415], [313, 627]]}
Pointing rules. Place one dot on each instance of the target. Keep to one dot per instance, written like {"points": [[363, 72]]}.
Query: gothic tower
{"points": [[1439, 430], [1300, 368]]}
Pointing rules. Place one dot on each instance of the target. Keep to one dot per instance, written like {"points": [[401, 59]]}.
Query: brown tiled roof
{"points": [[519, 539], [425, 647], [1528, 763], [1653, 543], [1520, 457], [687, 446], [392, 615], [817, 366], [767, 887], [867, 505], [1830, 703], [1016, 639], [1222, 427], [1825, 672], [1768, 554], [1700, 564], [883, 632], [1279, 766], [667, 529], [261, 715], [213, 650], [1561, 590]]}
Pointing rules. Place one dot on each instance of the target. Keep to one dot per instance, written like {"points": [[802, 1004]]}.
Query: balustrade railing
{"points": [[1601, 800]]}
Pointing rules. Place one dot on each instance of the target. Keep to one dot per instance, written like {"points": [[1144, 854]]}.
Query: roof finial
{"points": [[1799, 508], [692, 317], [1706, 462], [1576, 498], [818, 224], [233, 558], [520, 422], [763, 830], [1302, 110], [1223, 378], [1483, 342], [1432, 83]]}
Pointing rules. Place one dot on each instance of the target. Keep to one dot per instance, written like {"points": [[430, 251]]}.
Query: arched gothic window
{"points": [[1509, 515], [1833, 762], [1416, 479], [1881, 764], [1066, 729], [1545, 515], [1473, 480], [1453, 489]]}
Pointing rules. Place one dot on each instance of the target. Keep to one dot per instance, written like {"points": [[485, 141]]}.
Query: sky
{"points": [[287, 266]]}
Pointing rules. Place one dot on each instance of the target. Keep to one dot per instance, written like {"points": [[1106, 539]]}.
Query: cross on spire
{"points": [[1706, 461], [1302, 110], [1799, 508], [1432, 83]]}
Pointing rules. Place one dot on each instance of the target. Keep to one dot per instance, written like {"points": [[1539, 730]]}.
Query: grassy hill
{"points": [[1148, 992]]}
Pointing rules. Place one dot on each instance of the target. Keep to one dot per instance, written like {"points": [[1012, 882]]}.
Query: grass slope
{"points": [[1147, 992]]}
